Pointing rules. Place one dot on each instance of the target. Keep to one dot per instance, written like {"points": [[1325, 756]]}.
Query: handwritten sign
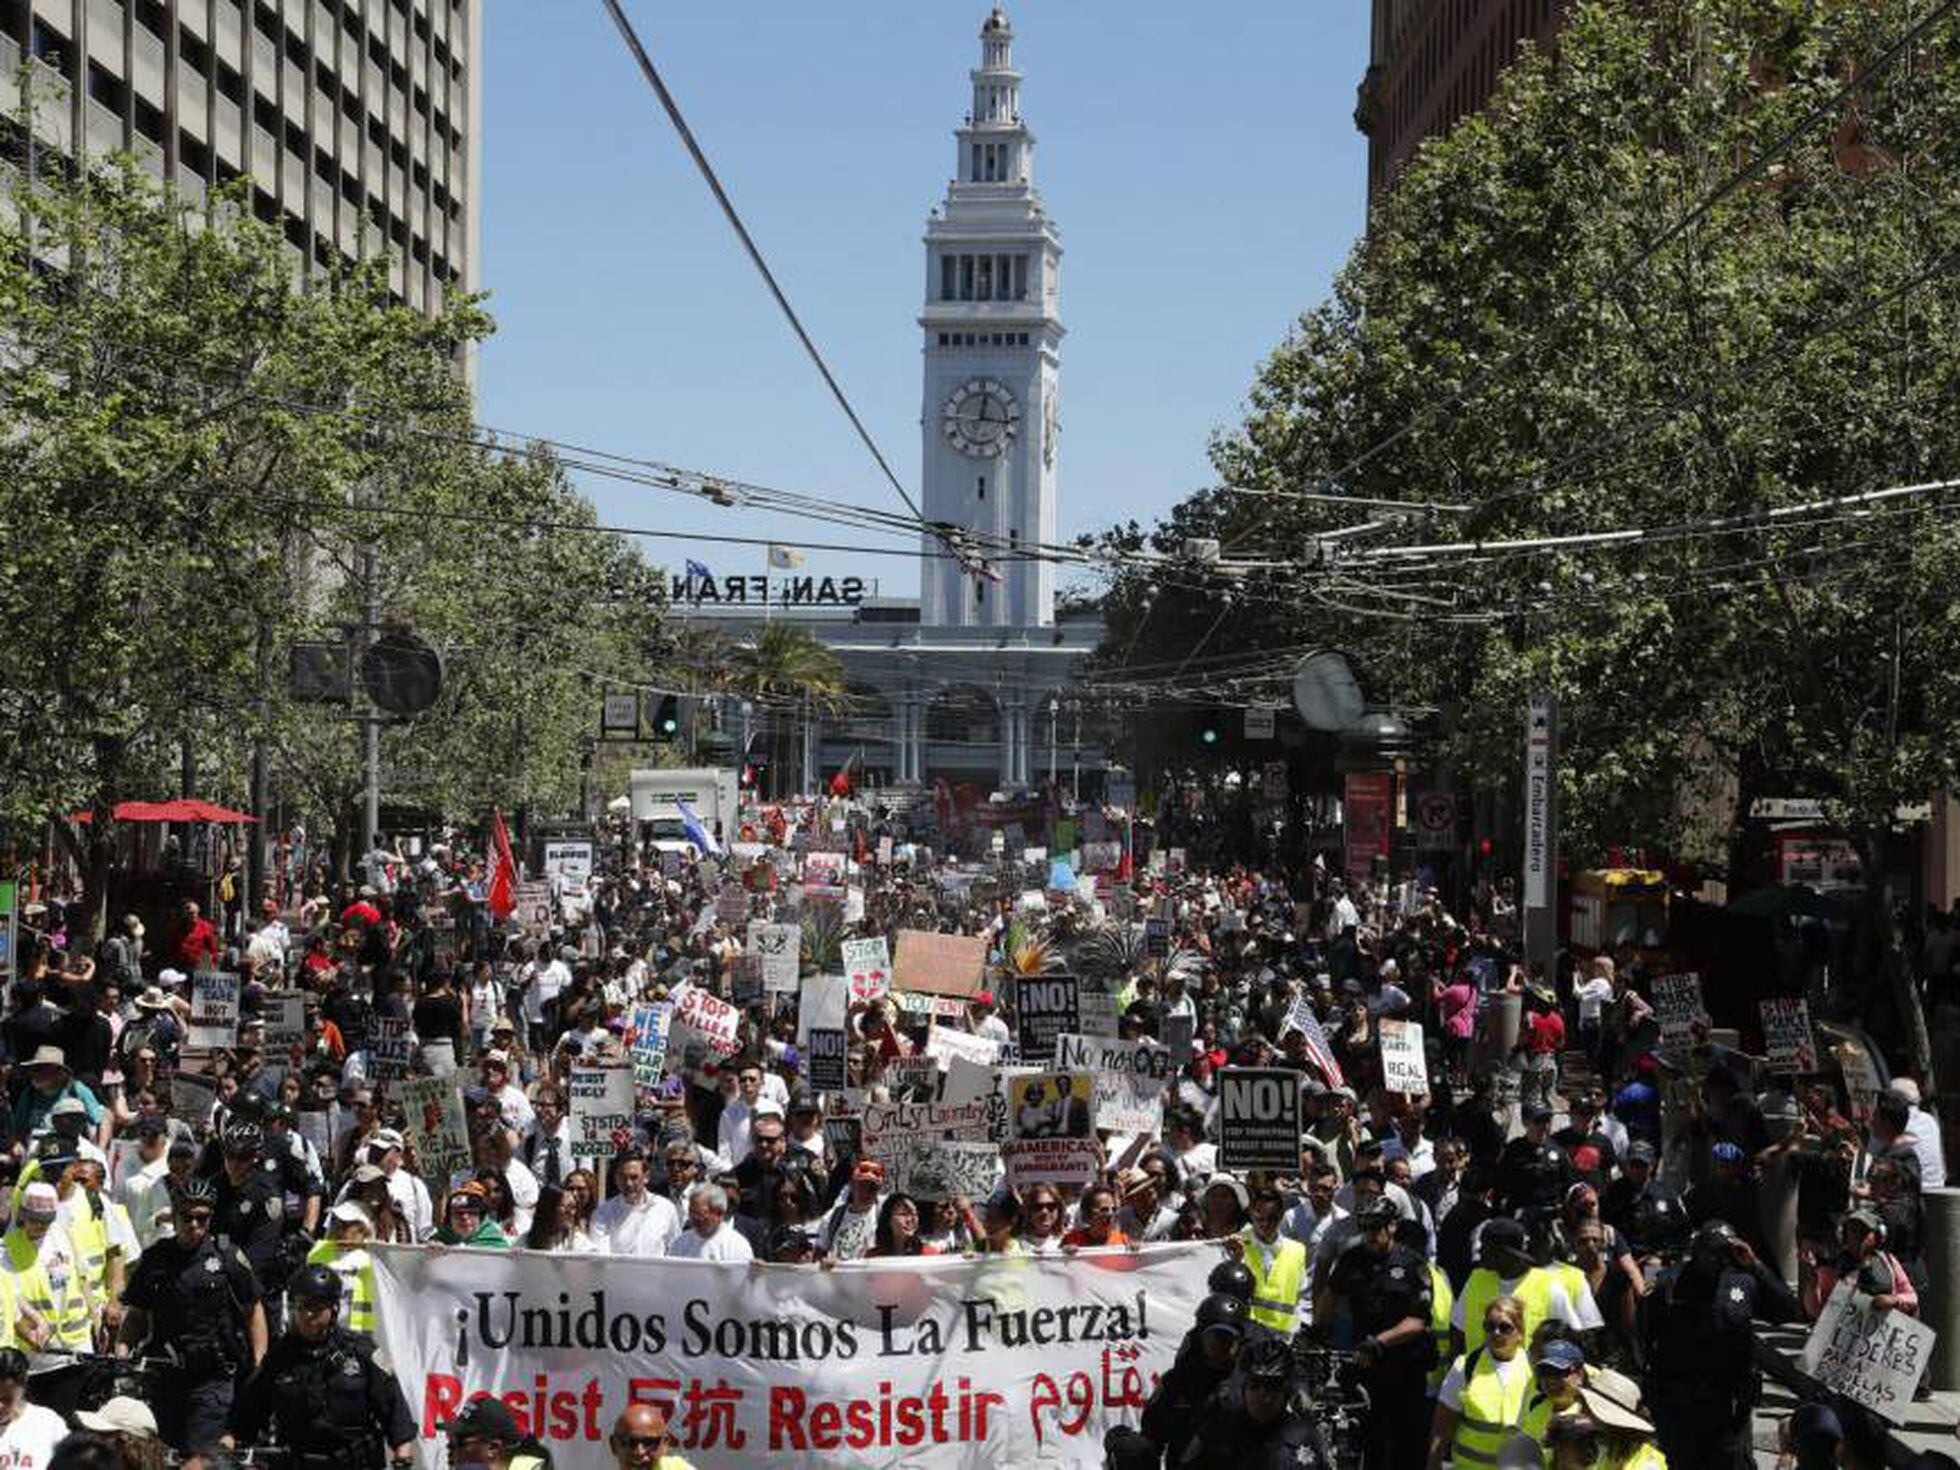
{"points": [[823, 874], [1100, 1054], [1873, 1358], [214, 1010], [944, 1043], [646, 1042], [1129, 1102], [707, 1018], [1404, 1068], [602, 1105], [947, 1171], [1678, 1008], [868, 967], [438, 1130], [781, 949], [1787, 1037], [533, 911], [285, 1020], [892, 1128], [391, 1048]]}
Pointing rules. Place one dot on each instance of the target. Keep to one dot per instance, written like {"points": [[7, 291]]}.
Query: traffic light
{"points": [[1207, 731], [667, 718]]}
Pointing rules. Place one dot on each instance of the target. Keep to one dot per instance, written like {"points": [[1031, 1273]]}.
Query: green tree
{"points": [[789, 672]]}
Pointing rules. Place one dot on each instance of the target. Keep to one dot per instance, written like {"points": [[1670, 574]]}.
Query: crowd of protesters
{"points": [[1559, 1254]]}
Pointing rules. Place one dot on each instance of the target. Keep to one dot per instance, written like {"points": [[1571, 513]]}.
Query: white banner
{"points": [[943, 1043], [958, 1364], [1404, 1068], [706, 1018], [781, 948]]}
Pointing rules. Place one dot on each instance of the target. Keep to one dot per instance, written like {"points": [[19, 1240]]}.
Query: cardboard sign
{"points": [[1096, 1054], [1787, 1037], [1404, 1068], [1157, 938], [214, 1010], [707, 1018], [602, 1105], [939, 964], [1259, 1120], [1051, 1105], [868, 968], [1873, 1358], [1046, 1007], [437, 1128], [915, 1079], [1129, 1102], [285, 1020], [826, 1059], [823, 1005], [781, 949], [935, 1171], [1063, 1162], [646, 1042], [534, 906], [892, 1128], [1678, 1009], [1177, 1031]]}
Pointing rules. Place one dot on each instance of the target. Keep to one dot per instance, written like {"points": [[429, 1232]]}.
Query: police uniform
{"points": [[333, 1405], [1227, 1438], [1697, 1341], [1380, 1291], [1169, 1417], [199, 1303]]}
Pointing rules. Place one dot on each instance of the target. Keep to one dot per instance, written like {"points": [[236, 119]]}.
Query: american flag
{"points": [[1302, 1019], [502, 896]]}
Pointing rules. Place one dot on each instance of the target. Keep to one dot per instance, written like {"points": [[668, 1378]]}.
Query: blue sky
{"points": [[1205, 174]]}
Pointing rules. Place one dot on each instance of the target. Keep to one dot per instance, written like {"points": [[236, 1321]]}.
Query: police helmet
{"points": [[1221, 1313], [1231, 1278], [1658, 1223], [244, 1138], [317, 1284], [1269, 1360], [1713, 1245], [1379, 1211], [196, 1191]]}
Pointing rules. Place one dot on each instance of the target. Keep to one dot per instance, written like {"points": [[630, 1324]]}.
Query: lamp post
{"points": [[1054, 711]]}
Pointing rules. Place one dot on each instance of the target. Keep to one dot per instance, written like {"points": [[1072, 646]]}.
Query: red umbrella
{"points": [[186, 809]]}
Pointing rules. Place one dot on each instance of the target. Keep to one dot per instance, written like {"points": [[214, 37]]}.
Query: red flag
{"points": [[502, 897], [840, 784]]}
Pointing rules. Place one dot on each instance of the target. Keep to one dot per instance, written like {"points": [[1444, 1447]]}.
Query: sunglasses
{"points": [[1501, 1329], [644, 1442]]}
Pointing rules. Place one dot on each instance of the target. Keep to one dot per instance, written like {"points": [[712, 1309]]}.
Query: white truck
{"points": [[713, 792]]}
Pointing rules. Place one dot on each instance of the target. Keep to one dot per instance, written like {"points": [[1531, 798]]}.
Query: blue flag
{"points": [[695, 570], [696, 830]]}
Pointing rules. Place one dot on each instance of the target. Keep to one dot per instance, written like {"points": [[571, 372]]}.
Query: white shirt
{"points": [[1450, 1395], [732, 1133], [992, 1028], [1925, 1131], [28, 1442], [646, 1229], [1592, 996], [726, 1244], [523, 1195], [1305, 1226]]}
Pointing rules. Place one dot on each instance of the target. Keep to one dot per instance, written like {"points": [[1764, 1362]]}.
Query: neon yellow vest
{"points": [[1441, 1301], [88, 1232], [65, 1308], [355, 1268], [1489, 1412], [9, 1308], [1534, 1289], [1276, 1284], [1647, 1457]]}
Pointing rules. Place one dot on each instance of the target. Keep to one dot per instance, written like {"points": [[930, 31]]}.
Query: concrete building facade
{"points": [[358, 122]]}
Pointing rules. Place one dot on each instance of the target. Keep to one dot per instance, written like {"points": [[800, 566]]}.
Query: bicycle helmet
{"points": [[1231, 1278], [1221, 1313], [244, 1138], [1269, 1360], [1713, 1245], [196, 1191], [317, 1284], [1376, 1212]]}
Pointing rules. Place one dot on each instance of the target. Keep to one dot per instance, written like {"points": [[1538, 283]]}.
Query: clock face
{"points": [[981, 418]]}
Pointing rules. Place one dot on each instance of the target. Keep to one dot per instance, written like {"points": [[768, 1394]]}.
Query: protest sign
{"points": [[937, 1007], [646, 1042], [843, 1136], [601, 1106], [868, 967], [1873, 1358], [192, 1098], [1862, 1084], [943, 1043], [391, 1048], [1065, 1162], [1051, 1105], [745, 980], [732, 903], [1129, 1102], [571, 861], [961, 1364], [827, 1063], [1787, 1035], [915, 1079], [892, 1128], [1098, 1008], [884, 852], [1098, 1054], [1046, 1007], [285, 1021], [438, 1130], [823, 874], [1177, 1030], [939, 964], [214, 1010], [781, 948], [438, 917], [1679, 1011], [968, 1171], [1157, 938], [1258, 1118], [708, 1018], [534, 905], [1404, 1068], [825, 1001]]}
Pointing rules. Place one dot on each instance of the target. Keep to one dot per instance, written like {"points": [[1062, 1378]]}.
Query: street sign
{"points": [[1538, 856], [1435, 821], [1260, 723]]}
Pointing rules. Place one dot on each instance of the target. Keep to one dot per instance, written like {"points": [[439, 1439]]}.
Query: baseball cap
{"points": [[485, 1418], [1562, 1355], [386, 1138], [1726, 1153], [352, 1213], [39, 1201], [120, 1415], [1535, 1111]]}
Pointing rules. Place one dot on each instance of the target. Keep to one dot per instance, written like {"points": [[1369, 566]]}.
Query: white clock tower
{"points": [[992, 355]]}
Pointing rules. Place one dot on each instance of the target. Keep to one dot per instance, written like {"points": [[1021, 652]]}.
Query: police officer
{"points": [[198, 1300], [320, 1388], [1696, 1340], [1389, 1297], [251, 1210], [1204, 1362], [1251, 1423]]}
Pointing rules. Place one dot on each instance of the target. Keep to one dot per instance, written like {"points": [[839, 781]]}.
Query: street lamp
{"points": [[1054, 711]]}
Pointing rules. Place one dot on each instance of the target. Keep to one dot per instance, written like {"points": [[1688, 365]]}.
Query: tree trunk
{"points": [[1895, 964]]}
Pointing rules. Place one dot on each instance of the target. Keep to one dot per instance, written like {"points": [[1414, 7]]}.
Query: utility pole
{"points": [[1538, 900], [371, 722]]}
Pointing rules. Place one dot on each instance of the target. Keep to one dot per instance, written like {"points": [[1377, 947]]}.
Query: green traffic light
{"points": [[1210, 736]]}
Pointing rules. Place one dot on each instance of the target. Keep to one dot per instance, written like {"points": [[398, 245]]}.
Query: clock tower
{"points": [[992, 355]]}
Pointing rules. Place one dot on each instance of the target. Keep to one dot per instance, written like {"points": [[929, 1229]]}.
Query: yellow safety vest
{"points": [[63, 1305], [89, 1233], [1490, 1411], [355, 1268], [1647, 1457], [9, 1309], [1276, 1282], [1534, 1289], [1441, 1301]]}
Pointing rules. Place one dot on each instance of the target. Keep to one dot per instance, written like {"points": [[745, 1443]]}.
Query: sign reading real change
{"points": [[960, 1364]]}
